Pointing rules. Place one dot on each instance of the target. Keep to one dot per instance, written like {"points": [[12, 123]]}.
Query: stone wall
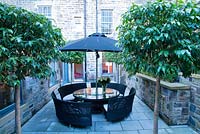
{"points": [[174, 98], [35, 94], [194, 110]]}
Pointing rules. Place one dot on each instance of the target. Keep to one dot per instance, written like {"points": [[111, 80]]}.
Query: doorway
{"points": [[78, 71]]}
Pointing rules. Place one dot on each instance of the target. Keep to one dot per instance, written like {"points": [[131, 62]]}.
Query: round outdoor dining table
{"points": [[97, 98]]}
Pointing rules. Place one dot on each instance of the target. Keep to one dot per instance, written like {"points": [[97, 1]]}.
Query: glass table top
{"points": [[92, 93]]}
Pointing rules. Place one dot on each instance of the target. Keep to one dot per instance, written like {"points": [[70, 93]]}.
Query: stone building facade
{"points": [[69, 16]]}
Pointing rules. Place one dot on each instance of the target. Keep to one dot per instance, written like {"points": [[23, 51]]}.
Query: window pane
{"points": [[45, 10], [106, 21], [107, 67]]}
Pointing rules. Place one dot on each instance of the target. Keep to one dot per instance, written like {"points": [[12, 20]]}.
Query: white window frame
{"points": [[106, 21], [45, 10]]}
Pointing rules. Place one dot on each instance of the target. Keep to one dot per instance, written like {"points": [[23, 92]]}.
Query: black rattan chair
{"points": [[120, 87], [120, 107], [69, 89], [73, 113]]}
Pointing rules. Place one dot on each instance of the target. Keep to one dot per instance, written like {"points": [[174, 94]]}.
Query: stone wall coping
{"points": [[11, 115], [196, 76], [169, 85]]}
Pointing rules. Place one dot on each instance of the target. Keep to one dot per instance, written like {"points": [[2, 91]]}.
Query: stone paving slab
{"points": [[125, 132], [131, 125], [160, 131], [140, 121], [108, 126]]}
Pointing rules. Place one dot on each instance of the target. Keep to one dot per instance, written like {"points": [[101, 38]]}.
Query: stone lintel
{"points": [[168, 85]]}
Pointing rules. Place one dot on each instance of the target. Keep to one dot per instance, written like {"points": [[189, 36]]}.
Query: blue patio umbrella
{"points": [[93, 43]]}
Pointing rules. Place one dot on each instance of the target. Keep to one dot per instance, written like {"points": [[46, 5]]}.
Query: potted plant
{"points": [[104, 81]]}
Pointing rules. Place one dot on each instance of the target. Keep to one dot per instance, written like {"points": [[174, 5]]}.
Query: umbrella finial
{"points": [[97, 55]]}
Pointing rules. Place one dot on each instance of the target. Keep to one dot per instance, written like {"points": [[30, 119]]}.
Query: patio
{"points": [[140, 121]]}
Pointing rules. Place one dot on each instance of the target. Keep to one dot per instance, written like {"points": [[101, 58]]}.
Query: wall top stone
{"points": [[196, 76], [169, 85]]}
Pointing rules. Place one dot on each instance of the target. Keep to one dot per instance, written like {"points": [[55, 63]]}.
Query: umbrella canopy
{"points": [[93, 43]]}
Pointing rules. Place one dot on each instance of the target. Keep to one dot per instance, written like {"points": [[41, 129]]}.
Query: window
{"points": [[107, 67], [78, 71], [106, 21], [45, 10]]}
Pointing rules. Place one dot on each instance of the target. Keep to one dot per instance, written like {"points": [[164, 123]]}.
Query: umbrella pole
{"points": [[97, 56]]}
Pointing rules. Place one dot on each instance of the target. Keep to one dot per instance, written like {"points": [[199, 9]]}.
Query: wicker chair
{"points": [[73, 113], [69, 89], [120, 87], [120, 107]]}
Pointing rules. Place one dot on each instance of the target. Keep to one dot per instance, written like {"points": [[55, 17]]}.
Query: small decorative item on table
{"points": [[104, 81]]}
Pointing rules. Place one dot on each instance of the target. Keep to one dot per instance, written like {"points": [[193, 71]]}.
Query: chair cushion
{"points": [[126, 93], [121, 95], [69, 97], [57, 94], [105, 106]]}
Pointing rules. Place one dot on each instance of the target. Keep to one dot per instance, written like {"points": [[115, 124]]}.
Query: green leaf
{"points": [[28, 42]]}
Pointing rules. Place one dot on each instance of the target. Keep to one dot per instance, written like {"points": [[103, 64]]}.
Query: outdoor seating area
{"points": [[75, 103], [100, 67], [139, 121]]}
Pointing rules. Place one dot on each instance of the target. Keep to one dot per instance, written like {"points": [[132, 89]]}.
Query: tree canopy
{"points": [[161, 38], [113, 57], [72, 57], [28, 42]]}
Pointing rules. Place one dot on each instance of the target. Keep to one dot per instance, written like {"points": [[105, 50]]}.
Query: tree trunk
{"points": [[156, 106], [17, 110]]}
